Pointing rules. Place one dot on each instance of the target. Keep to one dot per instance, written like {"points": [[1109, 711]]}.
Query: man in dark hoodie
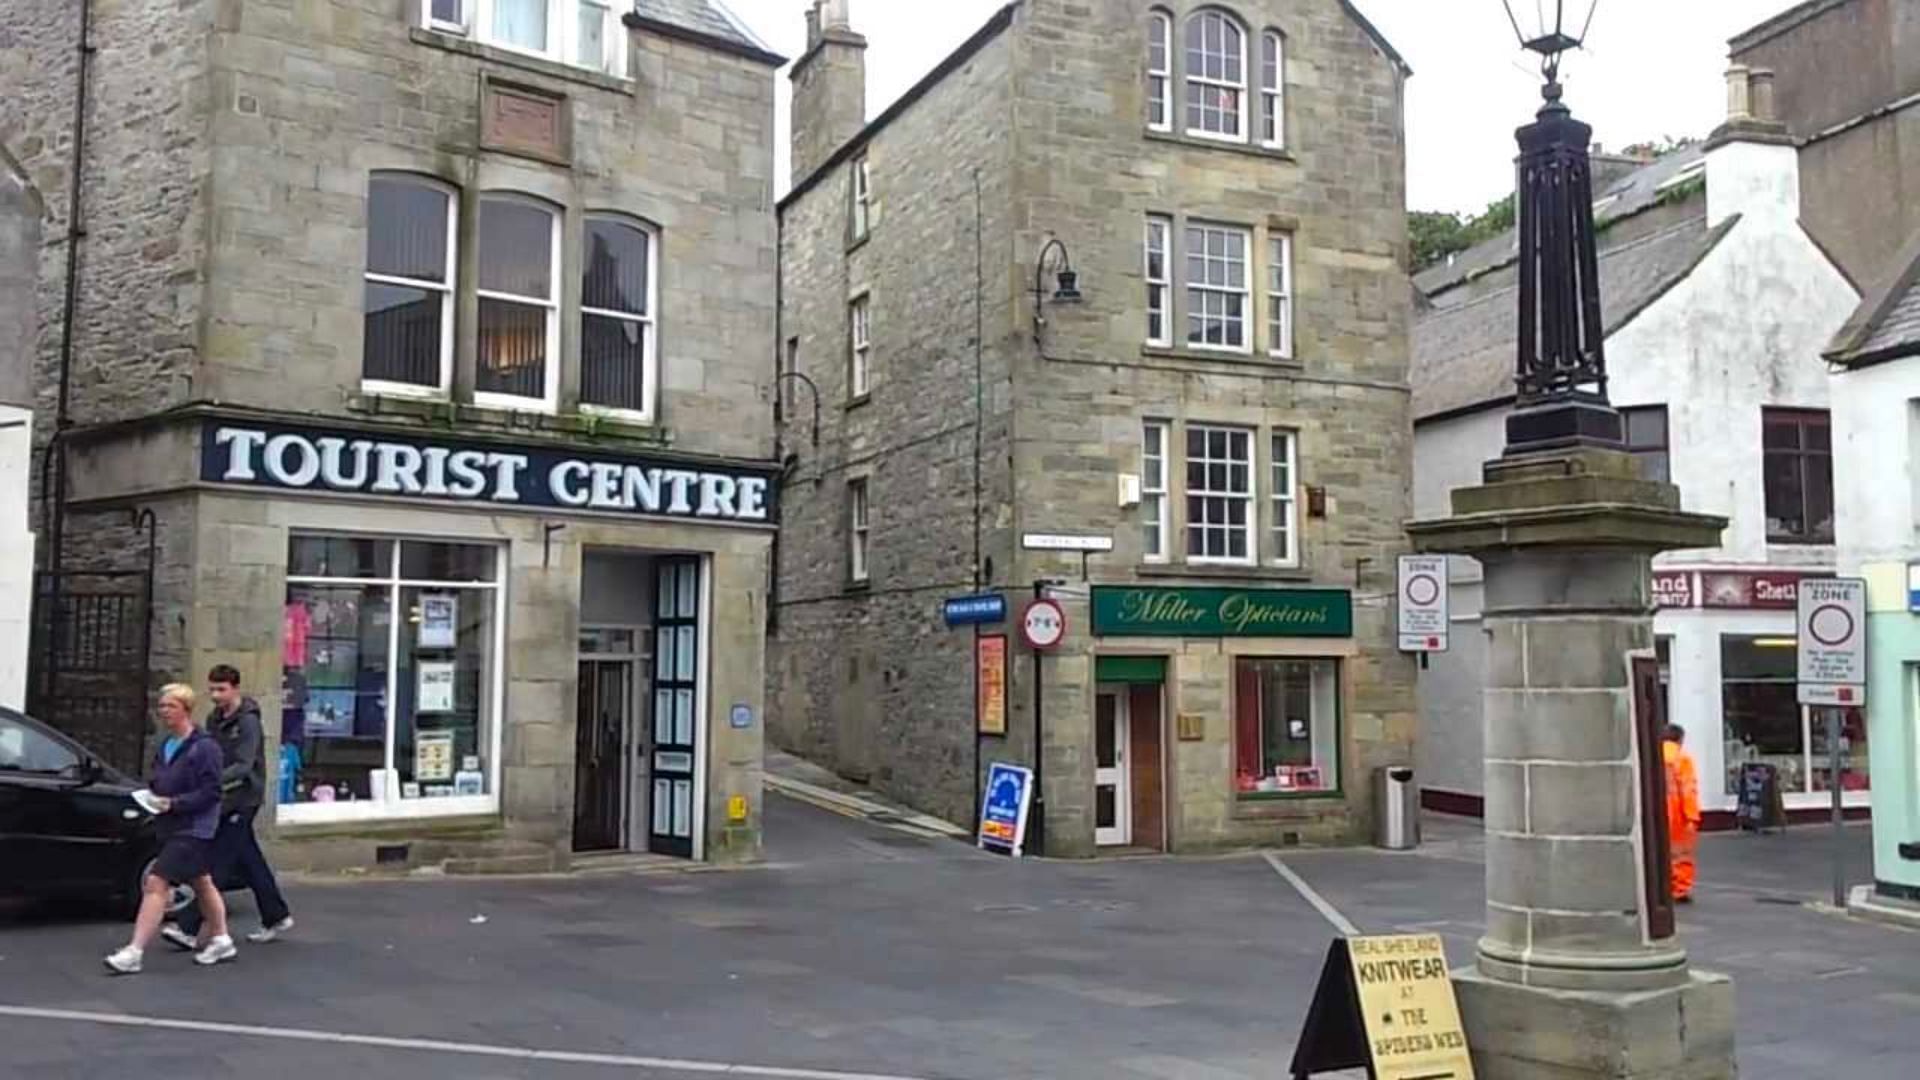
{"points": [[237, 857]]}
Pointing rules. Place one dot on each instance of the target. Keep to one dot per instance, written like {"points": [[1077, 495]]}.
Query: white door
{"points": [[1112, 786]]}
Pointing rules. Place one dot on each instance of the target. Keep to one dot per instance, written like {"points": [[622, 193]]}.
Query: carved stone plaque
{"points": [[525, 120]]}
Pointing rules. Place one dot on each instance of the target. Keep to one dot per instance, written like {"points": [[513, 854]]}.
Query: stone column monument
{"points": [[1572, 980], [1579, 975]]}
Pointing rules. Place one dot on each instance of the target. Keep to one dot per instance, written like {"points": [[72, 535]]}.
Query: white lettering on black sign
{"points": [[276, 456]]}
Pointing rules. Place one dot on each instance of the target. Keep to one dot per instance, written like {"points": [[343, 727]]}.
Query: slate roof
{"points": [[1623, 198], [1886, 325], [705, 18], [1463, 355]]}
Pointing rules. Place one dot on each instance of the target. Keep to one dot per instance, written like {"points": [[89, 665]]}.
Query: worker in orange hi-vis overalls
{"points": [[1683, 810]]}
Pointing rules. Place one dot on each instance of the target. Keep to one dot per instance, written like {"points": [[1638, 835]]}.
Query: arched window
{"points": [[1159, 71], [1216, 77], [1273, 67], [519, 358], [618, 286], [407, 340]]}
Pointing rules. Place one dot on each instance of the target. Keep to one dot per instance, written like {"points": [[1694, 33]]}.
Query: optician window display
{"points": [[1287, 726], [398, 712]]}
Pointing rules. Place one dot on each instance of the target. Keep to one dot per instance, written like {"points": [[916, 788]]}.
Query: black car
{"points": [[69, 827]]}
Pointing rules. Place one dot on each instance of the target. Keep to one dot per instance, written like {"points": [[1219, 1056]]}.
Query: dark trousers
{"points": [[238, 862]]}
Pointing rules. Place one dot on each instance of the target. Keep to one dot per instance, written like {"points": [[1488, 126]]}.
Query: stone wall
{"points": [[868, 679], [19, 330]]}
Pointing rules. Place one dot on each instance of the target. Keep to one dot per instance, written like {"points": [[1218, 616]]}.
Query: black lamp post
{"points": [[1561, 376], [1068, 291]]}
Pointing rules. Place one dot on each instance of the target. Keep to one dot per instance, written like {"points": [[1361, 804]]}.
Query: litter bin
{"points": [[1396, 808]]}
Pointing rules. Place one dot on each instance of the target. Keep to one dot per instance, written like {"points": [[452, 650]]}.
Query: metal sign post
{"points": [[1833, 675]]}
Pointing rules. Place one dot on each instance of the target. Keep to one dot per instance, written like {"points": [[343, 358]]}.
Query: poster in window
{"points": [[439, 620], [433, 756], [330, 711], [991, 659], [436, 686]]}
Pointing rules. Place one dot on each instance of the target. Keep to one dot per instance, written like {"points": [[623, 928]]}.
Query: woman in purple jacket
{"points": [[186, 784]]}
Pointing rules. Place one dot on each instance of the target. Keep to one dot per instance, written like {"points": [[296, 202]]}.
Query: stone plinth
{"points": [[1569, 968], [1681, 1032]]}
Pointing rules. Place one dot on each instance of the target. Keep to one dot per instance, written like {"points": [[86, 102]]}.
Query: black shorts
{"points": [[182, 859]]}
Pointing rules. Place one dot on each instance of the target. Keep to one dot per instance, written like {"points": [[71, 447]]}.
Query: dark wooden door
{"points": [[600, 764], [1649, 730]]}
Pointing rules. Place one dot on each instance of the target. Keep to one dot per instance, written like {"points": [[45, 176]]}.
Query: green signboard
{"points": [[1128, 611]]}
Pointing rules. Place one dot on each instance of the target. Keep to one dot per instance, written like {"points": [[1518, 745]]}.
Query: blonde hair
{"points": [[179, 692]]}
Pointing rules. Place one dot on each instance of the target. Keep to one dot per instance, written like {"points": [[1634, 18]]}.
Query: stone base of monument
{"points": [[1517, 1032]]}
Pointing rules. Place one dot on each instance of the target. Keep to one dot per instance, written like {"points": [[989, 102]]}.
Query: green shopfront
{"points": [[1220, 717]]}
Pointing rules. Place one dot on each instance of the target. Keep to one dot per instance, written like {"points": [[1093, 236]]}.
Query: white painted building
{"points": [[1717, 306], [19, 267], [1876, 421]]}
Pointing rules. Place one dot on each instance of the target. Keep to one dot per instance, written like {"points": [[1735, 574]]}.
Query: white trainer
{"points": [[125, 960], [178, 938], [216, 951], [271, 933]]}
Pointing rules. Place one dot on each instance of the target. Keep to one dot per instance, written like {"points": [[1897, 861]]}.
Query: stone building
{"points": [[1716, 305], [432, 333], [19, 322], [1123, 275]]}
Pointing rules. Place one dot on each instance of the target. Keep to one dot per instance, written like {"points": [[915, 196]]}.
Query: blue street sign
{"points": [[968, 610], [1003, 812]]}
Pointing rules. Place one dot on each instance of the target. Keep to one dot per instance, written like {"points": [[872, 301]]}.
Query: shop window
{"points": [[617, 350], [1797, 446], [519, 303], [1286, 726], [407, 336], [392, 678], [1853, 750], [1759, 709], [1219, 494], [1647, 440]]}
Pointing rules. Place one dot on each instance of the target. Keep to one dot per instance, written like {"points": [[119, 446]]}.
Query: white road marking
{"points": [[440, 1046], [1319, 902]]}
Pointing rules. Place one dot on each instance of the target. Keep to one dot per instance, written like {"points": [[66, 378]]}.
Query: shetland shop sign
{"points": [[503, 476]]}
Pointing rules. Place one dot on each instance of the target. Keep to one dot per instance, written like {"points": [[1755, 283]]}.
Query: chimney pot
{"points": [[1739, 93], [1762, 90]]}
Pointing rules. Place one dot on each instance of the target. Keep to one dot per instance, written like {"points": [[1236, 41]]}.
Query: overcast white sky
{"points": [[1651, 68]]}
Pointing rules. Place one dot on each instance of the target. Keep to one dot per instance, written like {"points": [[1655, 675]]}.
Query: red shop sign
{"points": [[1673, 588], [1765, 590]]}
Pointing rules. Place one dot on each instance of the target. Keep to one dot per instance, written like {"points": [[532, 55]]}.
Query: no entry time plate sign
{"points": [[1423, 603], [1833, 641]]}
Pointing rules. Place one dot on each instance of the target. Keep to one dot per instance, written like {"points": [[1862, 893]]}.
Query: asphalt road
{"points": [[862, 952]]}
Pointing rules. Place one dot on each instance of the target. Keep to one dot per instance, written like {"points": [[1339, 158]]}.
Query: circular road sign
{"points": [[1831, 625], [1423, 589], [1043, 624]]}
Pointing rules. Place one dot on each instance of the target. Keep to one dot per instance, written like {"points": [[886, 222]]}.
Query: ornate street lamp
{"points": [[1069, 281], [1561, 375]]}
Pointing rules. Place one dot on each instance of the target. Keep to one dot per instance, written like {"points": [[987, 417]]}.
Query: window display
{"points": [[1286, 726], [384, 709], [1760, 710]]}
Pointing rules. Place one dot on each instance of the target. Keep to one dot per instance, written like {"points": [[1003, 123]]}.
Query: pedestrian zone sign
{"points": [[1833, 642], [1423, 603], [1385, 1004]]}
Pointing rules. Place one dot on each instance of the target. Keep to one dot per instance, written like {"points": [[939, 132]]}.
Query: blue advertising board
{"points": [[1003, 811], [973, 610]]}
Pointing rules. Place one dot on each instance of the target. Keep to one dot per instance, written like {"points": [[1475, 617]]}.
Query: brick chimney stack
{"points": [[829, 86]]}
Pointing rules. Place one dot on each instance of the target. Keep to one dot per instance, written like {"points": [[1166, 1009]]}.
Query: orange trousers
{"points": [[1683, 871]]}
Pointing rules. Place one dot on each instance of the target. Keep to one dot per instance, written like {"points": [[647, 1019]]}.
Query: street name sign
{"points": [[1423, 603], [1061, 542], [1385, 1004], [975, 610], [1833, 641]]}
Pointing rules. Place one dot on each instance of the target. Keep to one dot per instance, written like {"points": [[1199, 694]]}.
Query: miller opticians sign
{"points": [[322, 461]]}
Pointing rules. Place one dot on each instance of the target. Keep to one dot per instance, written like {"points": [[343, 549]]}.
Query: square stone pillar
{"points": [[1570, 973]]}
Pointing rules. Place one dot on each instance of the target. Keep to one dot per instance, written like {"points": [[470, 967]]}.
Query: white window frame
{"points": [[650, 362], [1273, 100], [550, 383], [1245, 292], [862, 198], [859, 530], [860, 347], [1160, 33], [1248, 498], [1283, 476], [391, 806], [1155, 498], [1280, 295], [563, 32], [445, 288], [1190, 80], [1159, 289]]}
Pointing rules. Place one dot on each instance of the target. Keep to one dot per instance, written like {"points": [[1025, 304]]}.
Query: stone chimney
{"points": [[829, 87], [1753, 167]]}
